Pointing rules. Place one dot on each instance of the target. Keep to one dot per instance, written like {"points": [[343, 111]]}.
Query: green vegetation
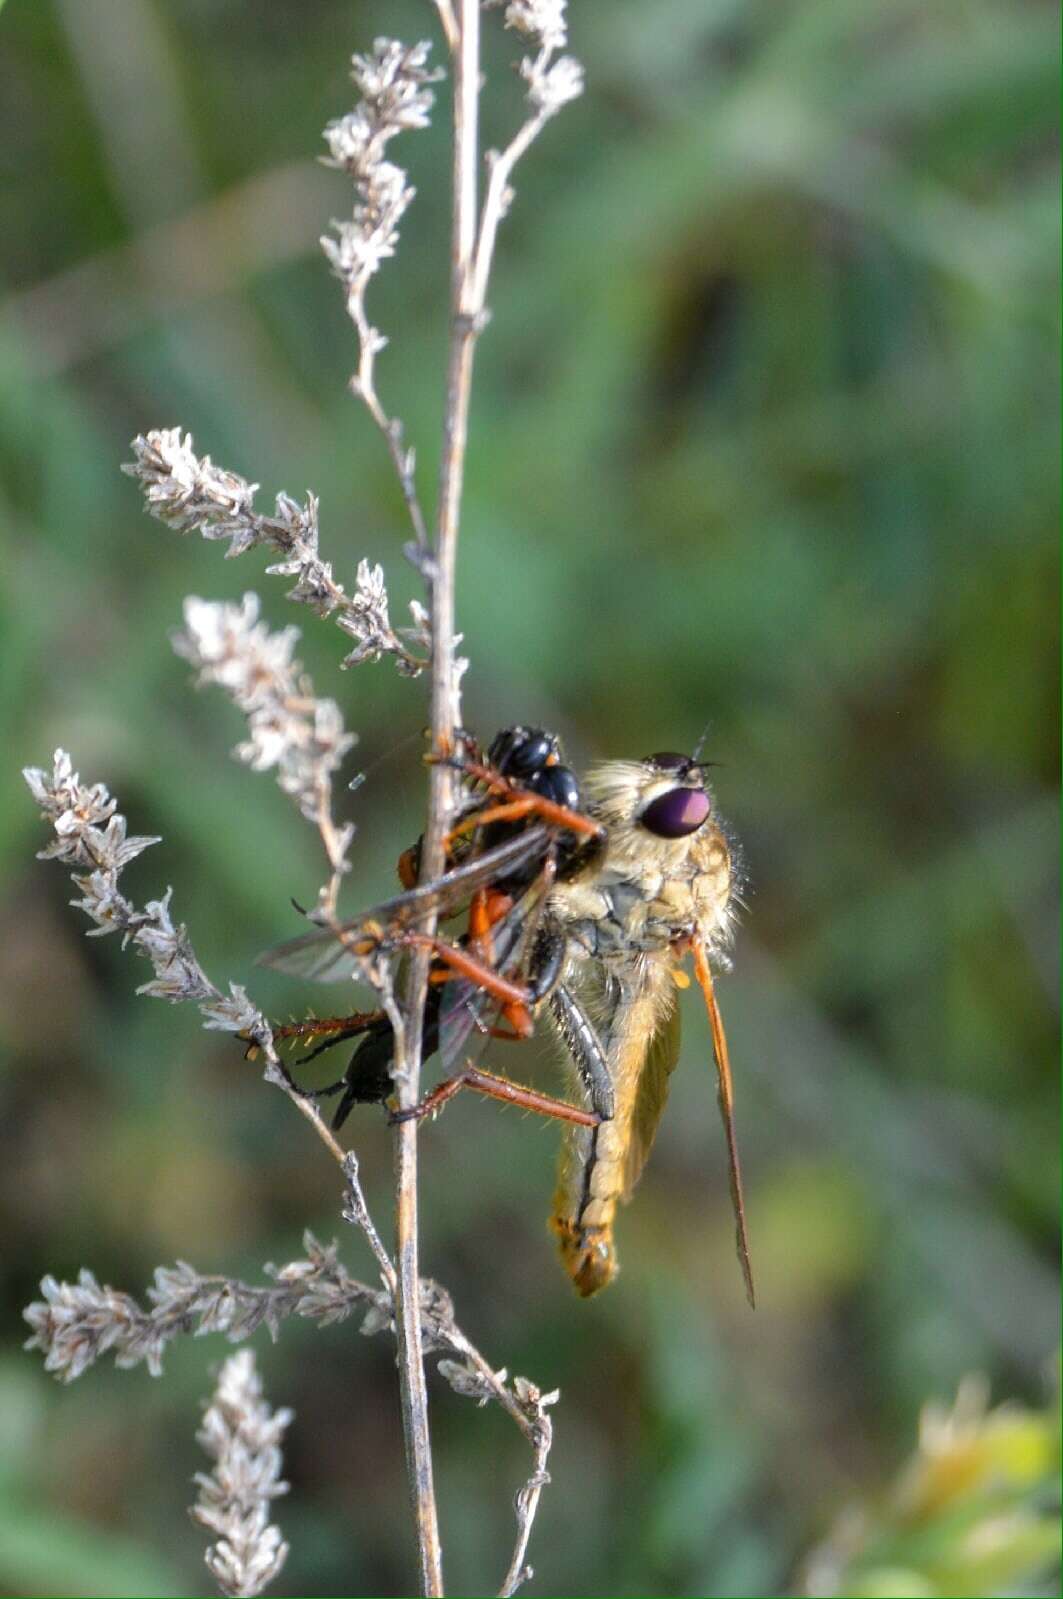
{"points": [[765, 435]]}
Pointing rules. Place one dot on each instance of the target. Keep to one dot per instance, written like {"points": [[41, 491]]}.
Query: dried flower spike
{"points": [[190, 494], [290, 730], [75, 810], [551, 83], [394, 85], [242, 1436], [395, 96]]}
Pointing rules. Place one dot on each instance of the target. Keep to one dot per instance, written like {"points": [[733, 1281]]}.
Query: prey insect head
{"points": [[528, 766], [532, 757], [681, 803], [521, 752]]}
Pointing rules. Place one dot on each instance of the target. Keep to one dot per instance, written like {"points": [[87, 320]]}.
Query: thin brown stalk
{"points": [[535, 1424], [465, 55], [364, 385]]}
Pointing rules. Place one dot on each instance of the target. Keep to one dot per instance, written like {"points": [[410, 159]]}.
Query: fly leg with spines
{"points": [[580, 1038]]}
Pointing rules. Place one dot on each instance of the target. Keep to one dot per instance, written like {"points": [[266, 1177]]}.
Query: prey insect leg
{"points": [[333, 1029], [518, 801], [367, 1079], [463, 964], [548, 948], [517, 804]]}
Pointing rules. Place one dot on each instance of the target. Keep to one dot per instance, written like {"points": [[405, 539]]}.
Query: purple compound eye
{"points": [[675, 814]]}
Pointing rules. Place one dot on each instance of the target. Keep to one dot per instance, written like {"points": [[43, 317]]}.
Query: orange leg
{"points": [[510, 810], [524, 804], [488, 906], [521, 1025], [486, 909], [479, 925], [726, 1097], [519, 1019], [466, 965], [531, 804], [516, 1034], [496, 1088]]}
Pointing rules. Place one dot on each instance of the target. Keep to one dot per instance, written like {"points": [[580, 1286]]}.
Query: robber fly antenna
{"points": [[700, 745], [695, 759]]}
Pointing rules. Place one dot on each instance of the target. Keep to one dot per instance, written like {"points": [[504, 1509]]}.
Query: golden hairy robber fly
{"points": [[581, 899]]}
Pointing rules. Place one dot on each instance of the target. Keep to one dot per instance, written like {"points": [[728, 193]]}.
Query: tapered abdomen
{"points": [[599, 1165]]}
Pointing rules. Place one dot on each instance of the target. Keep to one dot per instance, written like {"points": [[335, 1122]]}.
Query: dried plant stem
{"points": [[412, 1389], [449, 24], [308, 1108], [527, 1503], [364, 384], [538, 1430], [463, 329], [496, 199]]}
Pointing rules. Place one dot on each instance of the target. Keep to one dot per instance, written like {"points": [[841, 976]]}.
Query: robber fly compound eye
{"points": [[677, 813]]}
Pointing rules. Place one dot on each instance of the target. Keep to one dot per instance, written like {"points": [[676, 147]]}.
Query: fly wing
{"points": [[651, 1095], [322, 956], [327, 954]]}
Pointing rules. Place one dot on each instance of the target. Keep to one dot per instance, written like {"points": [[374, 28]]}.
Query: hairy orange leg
{"points": [[497, 1088], [726, 1096], [329, 1028]]}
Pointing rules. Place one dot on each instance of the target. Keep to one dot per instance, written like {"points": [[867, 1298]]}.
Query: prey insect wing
{"points": [[328, 955]]}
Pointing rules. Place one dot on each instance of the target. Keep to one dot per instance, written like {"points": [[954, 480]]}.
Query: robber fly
{"points": [[664, 887], [583, 899]]}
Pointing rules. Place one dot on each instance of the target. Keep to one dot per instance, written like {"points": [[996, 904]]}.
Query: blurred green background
{"points": [[764, 436]]}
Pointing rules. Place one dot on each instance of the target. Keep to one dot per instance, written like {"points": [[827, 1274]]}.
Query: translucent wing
{"points": [[321, 956], [651, 1095], [328, 954]]}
